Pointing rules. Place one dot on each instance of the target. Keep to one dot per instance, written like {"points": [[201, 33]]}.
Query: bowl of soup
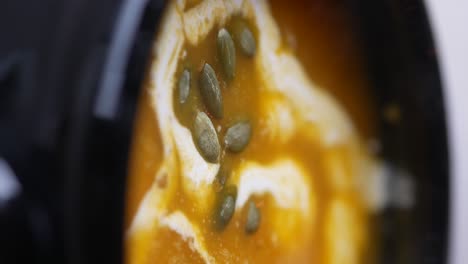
{"points": [[221, 131], [272, 132]]}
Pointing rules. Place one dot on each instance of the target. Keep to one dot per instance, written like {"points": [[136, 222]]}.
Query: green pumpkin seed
{"points": [[226, 206], [221, 177], [238, 136], [184, 86], [210, 91], [247, 42], [206, 138], [227, 53], [227, 209], [253, 218]]}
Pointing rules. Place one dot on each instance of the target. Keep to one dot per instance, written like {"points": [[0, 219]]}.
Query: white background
{"points": [[449, 20]]}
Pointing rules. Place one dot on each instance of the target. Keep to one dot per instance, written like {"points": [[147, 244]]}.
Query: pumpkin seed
{"points": [[247, 42], [210, 91], [238, 136], [206, 138], [221, 177], [226, 206], [184, 86], [253, 218], [227, 209], [227, 53]]}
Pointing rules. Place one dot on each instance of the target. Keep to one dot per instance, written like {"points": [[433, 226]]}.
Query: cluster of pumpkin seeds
{"points": [[237, 135]]}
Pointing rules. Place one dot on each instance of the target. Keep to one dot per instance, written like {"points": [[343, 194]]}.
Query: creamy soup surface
{"points": [[250, 135]]}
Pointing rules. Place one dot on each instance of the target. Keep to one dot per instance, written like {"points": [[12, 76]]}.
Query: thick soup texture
{"points": [[320, 218]]}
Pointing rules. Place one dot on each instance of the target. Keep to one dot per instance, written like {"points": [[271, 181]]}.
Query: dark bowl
{"points": [[70, 75]]}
